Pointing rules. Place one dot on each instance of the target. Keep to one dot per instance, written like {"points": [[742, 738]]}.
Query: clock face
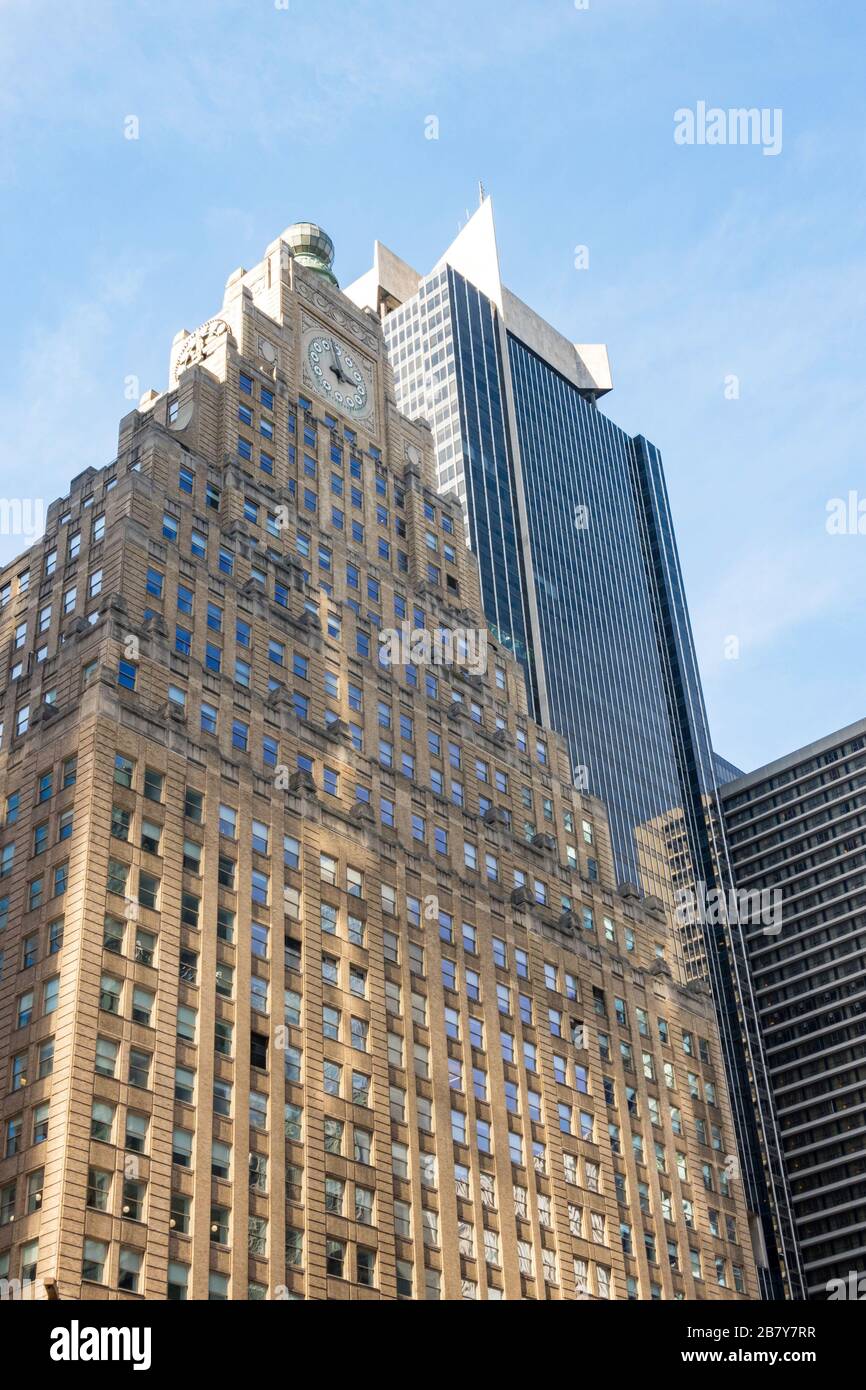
{"points": [[337, 374]]}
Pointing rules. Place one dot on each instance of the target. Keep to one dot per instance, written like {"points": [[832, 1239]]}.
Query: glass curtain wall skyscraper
{"points": [[570, 521], [568, 517]]}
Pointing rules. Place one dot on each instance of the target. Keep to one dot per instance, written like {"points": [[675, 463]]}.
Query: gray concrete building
{"points": [[797, 835]]}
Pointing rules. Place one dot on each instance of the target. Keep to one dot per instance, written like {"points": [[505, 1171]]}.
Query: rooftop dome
{"points": [[312, 247]]}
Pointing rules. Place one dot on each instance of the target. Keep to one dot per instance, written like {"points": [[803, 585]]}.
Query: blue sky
{"points": [[704, 262]]}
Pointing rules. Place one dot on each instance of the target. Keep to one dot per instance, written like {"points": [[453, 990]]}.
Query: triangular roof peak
{"points": [[474, 254]]}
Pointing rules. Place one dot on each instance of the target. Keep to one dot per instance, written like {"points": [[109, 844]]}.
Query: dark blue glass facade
{"points": [[491, 498], [598, 612]]}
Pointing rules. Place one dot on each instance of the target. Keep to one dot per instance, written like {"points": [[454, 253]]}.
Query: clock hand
{"points": [[337, 369]]}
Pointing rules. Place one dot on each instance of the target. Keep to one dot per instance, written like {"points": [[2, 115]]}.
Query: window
{"points": [[333, 1135], [148, 889], [33, 1198], [40, 1122], [139, 1068], [178, 1282], [93, 1263], [98, 1189]]}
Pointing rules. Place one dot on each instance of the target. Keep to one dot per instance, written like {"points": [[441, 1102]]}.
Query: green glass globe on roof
{"points": [[312, 247]]}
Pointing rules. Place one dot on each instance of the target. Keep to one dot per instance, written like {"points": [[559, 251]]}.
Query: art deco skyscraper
{"points": [[315, 979]]}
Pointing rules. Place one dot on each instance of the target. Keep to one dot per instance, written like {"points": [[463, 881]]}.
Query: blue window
{"points": [[266, 397], [212, 657], [226, 561], [266, 463], [154, 583], [186, 480], [214, 617], [126, 675], [245, 448], [240, 735], [246, 383], [182, 640]]}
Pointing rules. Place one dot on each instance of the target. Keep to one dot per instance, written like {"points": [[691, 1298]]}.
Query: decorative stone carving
{"points": [[543, 841], [347, 322], [200, 344], [302, 784], [268, 351]]}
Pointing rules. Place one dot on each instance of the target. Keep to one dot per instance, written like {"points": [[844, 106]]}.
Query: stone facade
{"points": [[314, 980]]}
